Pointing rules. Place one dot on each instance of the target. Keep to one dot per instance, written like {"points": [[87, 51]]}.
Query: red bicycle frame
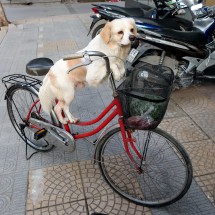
{"points": [[116, 109]]}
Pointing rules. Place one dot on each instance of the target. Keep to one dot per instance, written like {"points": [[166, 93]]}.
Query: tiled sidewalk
{"points": [[72, 184]]}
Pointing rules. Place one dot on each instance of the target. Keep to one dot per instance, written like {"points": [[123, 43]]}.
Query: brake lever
{"points": [[86, 62]]}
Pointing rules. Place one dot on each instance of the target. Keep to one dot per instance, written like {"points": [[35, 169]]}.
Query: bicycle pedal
{"points": [[40, 134]]}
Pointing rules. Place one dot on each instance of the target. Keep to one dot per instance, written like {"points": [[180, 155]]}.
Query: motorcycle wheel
{"points": [[97, 30]]}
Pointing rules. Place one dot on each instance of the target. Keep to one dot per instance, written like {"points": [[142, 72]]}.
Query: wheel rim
{"points": [[163, 179], [19, 104]]}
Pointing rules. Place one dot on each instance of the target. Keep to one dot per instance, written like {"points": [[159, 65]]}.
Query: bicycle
{"points": [[148, 166]]}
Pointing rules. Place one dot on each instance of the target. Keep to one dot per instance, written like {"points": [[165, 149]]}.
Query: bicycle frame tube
{"points": [[116, 109]]}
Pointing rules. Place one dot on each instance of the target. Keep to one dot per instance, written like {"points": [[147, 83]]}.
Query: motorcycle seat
{"points": [[157, 23], [192, 37], [130, 12]]}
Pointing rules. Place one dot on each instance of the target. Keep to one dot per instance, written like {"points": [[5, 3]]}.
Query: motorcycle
{"points": [[191, 55], [151, 17]]}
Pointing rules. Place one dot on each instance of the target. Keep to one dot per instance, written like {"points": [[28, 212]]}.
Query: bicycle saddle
{"points": [[39, 66]]}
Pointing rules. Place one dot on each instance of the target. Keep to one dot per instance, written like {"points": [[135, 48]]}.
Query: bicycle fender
{"points": [[10, 88], [95, 20], [104, 132]]}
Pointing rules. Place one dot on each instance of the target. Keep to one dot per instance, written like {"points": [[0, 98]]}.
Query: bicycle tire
{"points": [[166, 175], [19, 100], [97, 30]]}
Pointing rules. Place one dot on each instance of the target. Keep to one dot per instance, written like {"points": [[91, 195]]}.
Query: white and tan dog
{"points": [[114, 41]]}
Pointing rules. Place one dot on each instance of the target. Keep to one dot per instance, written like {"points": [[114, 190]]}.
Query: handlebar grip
{"points": [[74, 56]]}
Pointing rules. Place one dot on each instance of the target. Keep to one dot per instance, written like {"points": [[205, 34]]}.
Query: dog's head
{"points": [[119, 32]]}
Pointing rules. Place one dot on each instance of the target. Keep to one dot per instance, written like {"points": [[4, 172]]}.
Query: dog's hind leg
{"points": [[68, 98], [58, 110], [72, 119]]}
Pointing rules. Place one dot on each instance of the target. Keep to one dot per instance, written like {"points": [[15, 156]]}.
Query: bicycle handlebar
{"points": [[74, 56], [87, 55]]}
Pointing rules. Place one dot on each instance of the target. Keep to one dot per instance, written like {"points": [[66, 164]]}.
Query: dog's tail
{"points": [[46, 96]]}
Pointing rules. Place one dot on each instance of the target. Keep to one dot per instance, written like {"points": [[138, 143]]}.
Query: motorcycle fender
{"points": [[210, 61], [95, 20]]}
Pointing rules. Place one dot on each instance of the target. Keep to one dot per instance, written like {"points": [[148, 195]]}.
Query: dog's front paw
{"points": [[117, 76], [73, 120], [64, 120]]}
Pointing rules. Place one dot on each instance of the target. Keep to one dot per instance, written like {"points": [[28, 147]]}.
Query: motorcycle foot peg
{"points": [[40, 134]]}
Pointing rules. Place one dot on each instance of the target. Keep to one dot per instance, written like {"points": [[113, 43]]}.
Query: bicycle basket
{"points": [[144, 95]]}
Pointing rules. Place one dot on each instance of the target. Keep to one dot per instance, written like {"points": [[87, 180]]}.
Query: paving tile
{"points": [[114, 204], [207, 184], [192, 101], [4, 204], [194, 202], [202, 154], [183, 129], [100, 194], [93, 182], [206, 121], [173, 110], [53, 186], [208, 89], [71, 208]]}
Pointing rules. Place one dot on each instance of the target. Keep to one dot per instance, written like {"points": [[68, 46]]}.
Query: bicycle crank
{"points": [[63, 136]]}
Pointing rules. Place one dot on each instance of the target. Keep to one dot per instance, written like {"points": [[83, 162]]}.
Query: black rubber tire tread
{"points": [[177, 145], [95, 31], [10, 94]]}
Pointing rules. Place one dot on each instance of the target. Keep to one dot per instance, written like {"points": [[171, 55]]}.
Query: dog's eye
{"points": [[120, 32], [132, 30]]}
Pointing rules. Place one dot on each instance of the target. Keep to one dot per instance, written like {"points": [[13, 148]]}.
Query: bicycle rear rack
{"points": [[23, 80]]}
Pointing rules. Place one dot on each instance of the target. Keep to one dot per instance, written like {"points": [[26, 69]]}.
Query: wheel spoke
{"points": [[166, 169], [19, 102]]}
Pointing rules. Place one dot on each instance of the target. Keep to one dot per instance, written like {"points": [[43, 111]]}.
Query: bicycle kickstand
{"points": [[22, 128]]}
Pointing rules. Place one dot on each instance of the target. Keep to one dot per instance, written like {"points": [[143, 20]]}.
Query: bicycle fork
{"points": [[130, 141]]}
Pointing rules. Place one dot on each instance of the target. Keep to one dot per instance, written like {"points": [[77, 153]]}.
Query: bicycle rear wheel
{"points": [[19, 100], [165, 174]]}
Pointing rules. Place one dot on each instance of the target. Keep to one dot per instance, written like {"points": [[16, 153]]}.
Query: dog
{"points": [[114, 40]]}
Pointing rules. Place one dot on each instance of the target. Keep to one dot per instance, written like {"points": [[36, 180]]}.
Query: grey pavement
{"points": [[54, 36], [17, 12]]}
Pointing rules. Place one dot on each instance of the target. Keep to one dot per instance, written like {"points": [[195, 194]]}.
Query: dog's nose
{"points": [[132, 38]]}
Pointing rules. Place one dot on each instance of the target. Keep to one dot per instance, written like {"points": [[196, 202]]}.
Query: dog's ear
{"points": [[135, 31], [134, 26], [105, 33]]}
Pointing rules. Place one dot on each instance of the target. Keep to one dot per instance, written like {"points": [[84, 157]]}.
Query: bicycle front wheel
{"points": [[164, 174], [19, 101]]}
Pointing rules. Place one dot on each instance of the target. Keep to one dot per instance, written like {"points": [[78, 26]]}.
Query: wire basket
{"points": [[144, 95]]}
